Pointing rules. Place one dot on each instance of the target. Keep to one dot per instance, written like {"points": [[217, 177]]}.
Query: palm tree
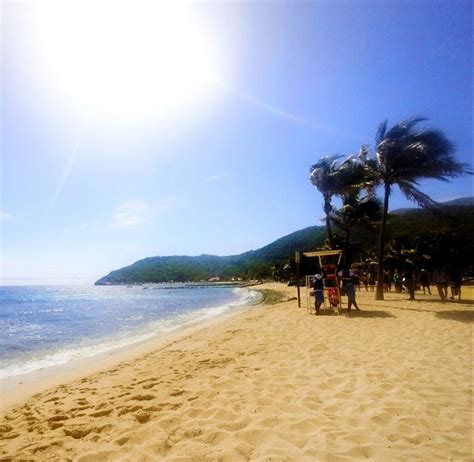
{"points": [[323, 175], [406, 154], [344, 179], [356, 210]]}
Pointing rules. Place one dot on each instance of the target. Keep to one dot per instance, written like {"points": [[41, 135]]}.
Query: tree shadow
{"points": [[356, 314], [449, 301], [397, 307], [325, 312], [462, 302], [456, 315], [418, 309], [369, 314]]}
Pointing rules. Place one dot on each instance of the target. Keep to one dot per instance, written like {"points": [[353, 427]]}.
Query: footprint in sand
{"points": [[6, 435], [102, 413], [58, 418], [177, 393], [143, 417], [77, 432], [150, 385], [143, 397], [128, 409]]}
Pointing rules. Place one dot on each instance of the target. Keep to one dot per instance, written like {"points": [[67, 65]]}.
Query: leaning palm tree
{"points": [[343, 179], [406, 154], [324, 176], [357, 210]]}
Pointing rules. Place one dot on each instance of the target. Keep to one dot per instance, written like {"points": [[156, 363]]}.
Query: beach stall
{"points": [[329, 261]]}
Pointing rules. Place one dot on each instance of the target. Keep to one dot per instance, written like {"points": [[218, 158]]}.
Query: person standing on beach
{"points": [[455, 283], [425, 281], [398, 281], [356, 281], [387, 283], [318, 287], [409, 283], [371, 281], [365, 280], [348, 288], [441, 279]]}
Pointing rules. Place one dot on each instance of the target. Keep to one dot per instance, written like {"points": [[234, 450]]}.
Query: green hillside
{"points": [[442, 235], [248, 265]]}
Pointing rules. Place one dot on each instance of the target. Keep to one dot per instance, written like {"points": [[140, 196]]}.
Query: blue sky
{"points": [[85, 191]]}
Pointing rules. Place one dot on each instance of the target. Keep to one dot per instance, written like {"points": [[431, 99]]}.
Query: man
{"points": [[348, 288]]}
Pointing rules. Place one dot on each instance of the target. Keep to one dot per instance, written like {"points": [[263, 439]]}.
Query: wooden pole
{"points": [[297, 260]]}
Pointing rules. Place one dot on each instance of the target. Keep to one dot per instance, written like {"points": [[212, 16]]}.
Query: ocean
{"points": [[44, 326]]}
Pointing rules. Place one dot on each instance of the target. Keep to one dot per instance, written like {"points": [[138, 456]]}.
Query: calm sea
{"points": [[45, 326]]}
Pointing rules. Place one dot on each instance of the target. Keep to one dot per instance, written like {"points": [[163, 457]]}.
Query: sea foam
{"points": [[143, 329]]}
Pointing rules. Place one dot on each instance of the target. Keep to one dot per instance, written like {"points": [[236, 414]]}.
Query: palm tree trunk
{"points": [[346, 244], [327, 211], [379, 289]]}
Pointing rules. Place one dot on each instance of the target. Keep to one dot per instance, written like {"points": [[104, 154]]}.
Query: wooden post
{"points": [[297, 261]]}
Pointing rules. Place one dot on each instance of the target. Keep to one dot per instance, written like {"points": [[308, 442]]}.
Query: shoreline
{"points": [[18, 388], [392, 382]]}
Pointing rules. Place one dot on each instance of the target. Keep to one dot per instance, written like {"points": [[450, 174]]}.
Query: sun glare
{"points": [[124, 57]]}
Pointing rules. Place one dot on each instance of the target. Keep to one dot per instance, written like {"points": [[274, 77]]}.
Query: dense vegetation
{"points": [[404, 154], [255, 264], [420, 236]]}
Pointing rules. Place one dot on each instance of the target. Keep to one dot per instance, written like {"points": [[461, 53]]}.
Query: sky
{"points": [[130, 130]]}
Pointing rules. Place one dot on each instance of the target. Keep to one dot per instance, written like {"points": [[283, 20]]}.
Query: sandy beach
{"points": [[390, 383]]}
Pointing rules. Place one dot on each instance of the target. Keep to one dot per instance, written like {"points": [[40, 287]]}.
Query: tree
{"points": [[406, 154], [356, 210], [324, 176], [346, 179]]}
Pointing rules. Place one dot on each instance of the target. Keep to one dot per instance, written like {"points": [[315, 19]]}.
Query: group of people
{"points": [[321, 280], [409, 281], [443, 278]]}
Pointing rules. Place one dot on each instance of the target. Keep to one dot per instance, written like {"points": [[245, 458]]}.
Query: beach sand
{"points": [[391, 383]]}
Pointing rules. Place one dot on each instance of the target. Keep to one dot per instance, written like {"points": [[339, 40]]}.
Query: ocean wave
{"points": [[158, 327]]}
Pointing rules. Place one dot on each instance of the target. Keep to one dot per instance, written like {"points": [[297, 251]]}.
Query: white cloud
{"points": [[4, 216], [215, 177], [133, 214]]}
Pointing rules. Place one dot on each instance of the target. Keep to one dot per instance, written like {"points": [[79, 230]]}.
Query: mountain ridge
{"points": [[460, 201], [409, 227]]}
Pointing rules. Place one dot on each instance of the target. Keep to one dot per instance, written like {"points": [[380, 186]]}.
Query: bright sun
{"points": [[124, 57]]}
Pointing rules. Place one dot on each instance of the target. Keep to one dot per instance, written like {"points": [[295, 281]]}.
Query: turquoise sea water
{"points": [[45, 326]]}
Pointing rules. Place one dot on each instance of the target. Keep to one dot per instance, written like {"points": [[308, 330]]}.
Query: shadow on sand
{"points": [[369, 314], [456, 315], [358, 314]]}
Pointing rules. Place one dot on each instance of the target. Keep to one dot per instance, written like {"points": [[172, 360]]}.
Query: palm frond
{"points": [[410, 123], [415, 195], [406, 154], [381, 132], [363, 153]]}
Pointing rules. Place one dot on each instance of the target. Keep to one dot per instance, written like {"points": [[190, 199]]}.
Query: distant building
{"points": [[214, 279]]}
